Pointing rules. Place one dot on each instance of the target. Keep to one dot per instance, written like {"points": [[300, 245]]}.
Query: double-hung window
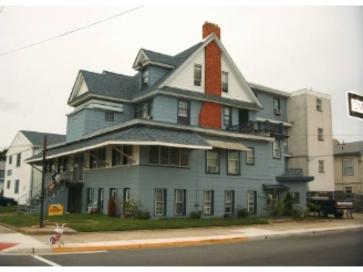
{"points": [[10, 159], [228, 202], [250, 156], [212, 161], [233, 162], [208, 202], [109, 116], [321, 166], [16, 187], [180, 207], [91, 192], [18, 159], [8, 184], [320, 135], [276, 149], [127, 195], [277, 105], [319, 106], [252, 202], [224, 82], [197, 74], [160, 202], [295, 197], [348, 168], [144, 110], [145, 79], [100, 198], [183, 112], [227, 119]]}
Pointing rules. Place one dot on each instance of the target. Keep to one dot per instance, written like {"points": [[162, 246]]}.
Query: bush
{"points": [[297, 214], [288, 204], [143, 214], [132, 209], [278, 210], [196, 214], [242, 213]]}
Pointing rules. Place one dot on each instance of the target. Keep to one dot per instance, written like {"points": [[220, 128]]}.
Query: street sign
{"points": [[355, 105], [55, 209]]}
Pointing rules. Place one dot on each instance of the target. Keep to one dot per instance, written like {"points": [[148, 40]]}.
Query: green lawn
{"points": [[87, 223], [9, 209]]}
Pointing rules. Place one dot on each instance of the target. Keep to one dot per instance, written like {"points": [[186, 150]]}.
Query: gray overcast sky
{"points": [[288, 48]]}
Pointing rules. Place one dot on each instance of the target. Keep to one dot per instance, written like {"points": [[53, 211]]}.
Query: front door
{"points": [[75, 199]]}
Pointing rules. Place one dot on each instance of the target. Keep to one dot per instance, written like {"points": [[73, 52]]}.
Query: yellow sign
{"points": [[55, 209]]}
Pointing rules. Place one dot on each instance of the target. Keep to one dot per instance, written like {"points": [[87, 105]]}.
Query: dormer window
{"points": [[145, 79], [197, 74], [224, 82]]}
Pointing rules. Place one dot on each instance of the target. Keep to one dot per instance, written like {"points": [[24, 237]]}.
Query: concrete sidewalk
{"points": [[98, 241]]}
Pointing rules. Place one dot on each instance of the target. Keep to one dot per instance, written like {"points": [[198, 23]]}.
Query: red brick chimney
{"points": [[210, 113], [209, 28]]}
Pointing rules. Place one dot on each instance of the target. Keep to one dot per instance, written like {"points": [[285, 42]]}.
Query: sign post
{"points": [[41, 219]]}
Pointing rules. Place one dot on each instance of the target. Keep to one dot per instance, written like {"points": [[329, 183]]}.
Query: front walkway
{"points": [[178, 237]]}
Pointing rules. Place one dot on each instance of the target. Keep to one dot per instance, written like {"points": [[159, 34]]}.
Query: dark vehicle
{"points": [[326, 206], [6, 201]]}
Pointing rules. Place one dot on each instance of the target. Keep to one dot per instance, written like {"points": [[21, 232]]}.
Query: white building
{"points": [[310, 138], [23, 181]]}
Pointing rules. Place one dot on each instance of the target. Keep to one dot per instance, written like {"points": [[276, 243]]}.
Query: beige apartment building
{"points": [[348, 158], [310, 138]]}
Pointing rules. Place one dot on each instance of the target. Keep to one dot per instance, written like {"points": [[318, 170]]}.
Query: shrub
{"points": [[133, 209], [297, 214], [242, 213], [196, 214], [277, 210], [288, 205], [142, 214]]}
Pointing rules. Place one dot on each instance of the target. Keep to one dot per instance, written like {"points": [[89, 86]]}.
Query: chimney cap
{"points": [[209, 28]]}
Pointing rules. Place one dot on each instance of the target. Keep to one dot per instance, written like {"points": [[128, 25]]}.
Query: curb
{"points": [[150, 245]]}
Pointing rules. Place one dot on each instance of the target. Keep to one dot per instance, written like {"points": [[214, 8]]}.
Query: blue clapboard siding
{"points": [[267, 103], [89, 120]]}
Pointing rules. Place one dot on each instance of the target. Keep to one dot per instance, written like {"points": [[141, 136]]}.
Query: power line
{"points": [[68, 32]]}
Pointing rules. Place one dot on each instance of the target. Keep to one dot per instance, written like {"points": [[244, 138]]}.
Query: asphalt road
{"points": [[325, 249]]}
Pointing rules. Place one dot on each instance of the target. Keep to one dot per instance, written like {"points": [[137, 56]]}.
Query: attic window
{"points": [[197, 74], [224, 82], [145, 79]]}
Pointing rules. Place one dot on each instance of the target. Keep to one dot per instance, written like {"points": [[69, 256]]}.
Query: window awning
{"points": [[274, 187], [225, 144]]}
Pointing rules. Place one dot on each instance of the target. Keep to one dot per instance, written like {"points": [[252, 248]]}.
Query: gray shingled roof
{"points": [[126, 87], [348, 148], [142, 134], [36, 138]]}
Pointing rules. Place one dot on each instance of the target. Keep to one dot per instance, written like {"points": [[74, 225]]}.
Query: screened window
{"points": [[16, 187], [212, 161], [122, 155], [145, 79], [180, 203], [208, 202], [277, 106], [225, 82], [97, 158], [320, 135], [233, 162], [228, 202], [227, 120], [319, 105], [276, 149], [321, 167], [197, 74], [348, 169], [252, 202], [18, 159], [109, 116], [250, 156], [160, 202], [169, 156], [183, 112]]}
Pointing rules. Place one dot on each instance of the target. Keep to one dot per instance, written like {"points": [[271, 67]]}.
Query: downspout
{"points": [[196, 183]]}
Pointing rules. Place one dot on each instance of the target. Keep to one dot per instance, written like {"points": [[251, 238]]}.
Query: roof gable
{"points": [[36, 138], [182, 77]]}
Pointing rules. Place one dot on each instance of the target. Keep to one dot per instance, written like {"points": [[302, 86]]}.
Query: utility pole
{"points": [[41, 220]]}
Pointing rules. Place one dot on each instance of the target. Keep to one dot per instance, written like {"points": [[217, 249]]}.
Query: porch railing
{"points": [[261, 128]]}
